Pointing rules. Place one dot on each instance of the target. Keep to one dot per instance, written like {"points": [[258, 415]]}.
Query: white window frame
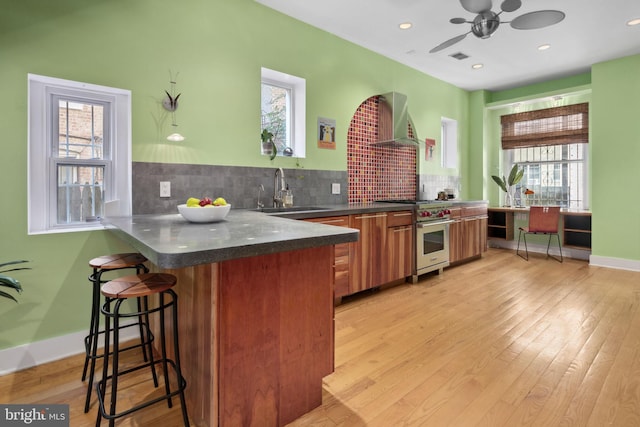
{"points": [[297, 86], [449, 137], [41, 165]]}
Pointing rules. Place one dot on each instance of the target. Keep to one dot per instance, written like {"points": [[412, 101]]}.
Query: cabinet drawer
{"points": [[474, 211], [339, 221], [455, 213], [342, 250], [399, 218]]}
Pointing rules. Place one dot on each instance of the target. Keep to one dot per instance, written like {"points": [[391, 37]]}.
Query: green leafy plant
{"points": [[10, 282], [267, 137], [514, 178]]}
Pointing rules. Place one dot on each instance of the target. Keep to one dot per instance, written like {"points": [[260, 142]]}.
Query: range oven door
{"points": [[432, 246]]}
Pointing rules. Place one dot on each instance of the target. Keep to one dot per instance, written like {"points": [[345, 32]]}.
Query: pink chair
{"points": [[542, 220]]}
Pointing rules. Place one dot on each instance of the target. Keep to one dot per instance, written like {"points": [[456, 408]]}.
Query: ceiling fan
{"points": [[487, 22]]}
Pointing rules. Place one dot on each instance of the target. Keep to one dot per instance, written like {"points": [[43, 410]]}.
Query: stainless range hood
{"points": [[394, 121]]}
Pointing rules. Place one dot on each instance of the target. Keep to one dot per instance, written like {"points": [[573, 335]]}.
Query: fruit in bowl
{"points": [[204, 210]]}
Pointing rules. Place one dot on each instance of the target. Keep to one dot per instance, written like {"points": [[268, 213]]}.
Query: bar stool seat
{"points": [[116, 292], [101, 265]]}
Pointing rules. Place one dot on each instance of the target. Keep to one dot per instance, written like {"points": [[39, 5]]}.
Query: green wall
{"points": [[217, 47], [615, 111]]}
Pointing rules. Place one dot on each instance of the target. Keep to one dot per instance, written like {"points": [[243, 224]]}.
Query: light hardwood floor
{"points": [[495, 342]]}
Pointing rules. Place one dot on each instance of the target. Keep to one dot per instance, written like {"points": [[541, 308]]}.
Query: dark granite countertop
{"points": [[170, 241]]}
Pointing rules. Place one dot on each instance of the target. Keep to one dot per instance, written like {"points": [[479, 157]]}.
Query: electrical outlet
{"points": [[335, 188], [165, 189]]}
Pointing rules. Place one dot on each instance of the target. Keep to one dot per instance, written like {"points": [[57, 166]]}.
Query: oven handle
{"points": [[427, 224]]}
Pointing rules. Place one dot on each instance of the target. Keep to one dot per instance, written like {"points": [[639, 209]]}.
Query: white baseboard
{"points": [[617, 263], [37, 353], [541, 249]]}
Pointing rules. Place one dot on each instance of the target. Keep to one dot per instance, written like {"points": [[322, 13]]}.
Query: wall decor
{"points": [[430, 145], [326, 133]]}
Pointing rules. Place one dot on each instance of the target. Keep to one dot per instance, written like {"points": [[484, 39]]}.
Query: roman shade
{"points": [[551, 126]]}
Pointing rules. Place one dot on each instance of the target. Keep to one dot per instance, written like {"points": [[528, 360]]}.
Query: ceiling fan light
{"points": [[485, 24]]}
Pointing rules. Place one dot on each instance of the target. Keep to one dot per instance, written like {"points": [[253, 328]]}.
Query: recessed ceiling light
{"points": [[634, 22], [405, 25], [544, 46], [477, 66]]}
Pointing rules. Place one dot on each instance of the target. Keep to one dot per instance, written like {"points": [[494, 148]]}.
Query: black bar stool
{"points": [[116, 292], [101, 265]]}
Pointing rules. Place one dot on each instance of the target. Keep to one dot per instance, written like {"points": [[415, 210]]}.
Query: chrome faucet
{"points": [[278, 200], [260, 191]]}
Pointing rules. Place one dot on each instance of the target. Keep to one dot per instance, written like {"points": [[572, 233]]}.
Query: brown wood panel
{"points": [[395, 219], [276, 335], [400, 247], [367, 259], [197, 295]]}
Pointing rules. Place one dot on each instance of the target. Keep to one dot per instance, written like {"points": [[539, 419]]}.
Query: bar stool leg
{"points": [[176, 345]]}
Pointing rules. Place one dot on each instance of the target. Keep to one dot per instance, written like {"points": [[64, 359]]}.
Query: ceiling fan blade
{"points": [[448, 43], [538, 19], [510, 5], [458, 20], [476, 6]]}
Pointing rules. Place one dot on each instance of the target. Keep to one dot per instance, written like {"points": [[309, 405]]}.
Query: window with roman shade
{"points": [[551, 126], [550, 145]]}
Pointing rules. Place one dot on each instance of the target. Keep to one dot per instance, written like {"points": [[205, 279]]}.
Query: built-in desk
{"points": [[255, 308], [575, 225]]}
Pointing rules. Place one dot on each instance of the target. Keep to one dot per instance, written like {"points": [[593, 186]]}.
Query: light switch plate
{"points": [[165, 189], [335, 188]]}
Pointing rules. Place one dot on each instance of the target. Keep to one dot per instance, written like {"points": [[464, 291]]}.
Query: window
{"points": [[449, 135], [282, 109], [79, 154], [555, 173], [551, 146]]}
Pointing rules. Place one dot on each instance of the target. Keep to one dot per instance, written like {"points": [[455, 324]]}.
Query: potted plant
{"points": [[507, 183], [10, 282], [268, 146]]}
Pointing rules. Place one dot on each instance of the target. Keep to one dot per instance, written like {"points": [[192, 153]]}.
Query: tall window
{"points": [[449, 135], [282, 109], [551, 146], [79, 157]]}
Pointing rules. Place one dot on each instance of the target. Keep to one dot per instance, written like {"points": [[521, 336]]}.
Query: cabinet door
{"points": [[366, 256], [471, 240], [455, 241], [399, 252], [341, 260]]}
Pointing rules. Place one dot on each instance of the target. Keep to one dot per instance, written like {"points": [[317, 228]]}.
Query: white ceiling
{"points": [[592, 31]]}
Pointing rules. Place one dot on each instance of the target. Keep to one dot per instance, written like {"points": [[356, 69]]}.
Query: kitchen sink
{"points": [[291, 209]]}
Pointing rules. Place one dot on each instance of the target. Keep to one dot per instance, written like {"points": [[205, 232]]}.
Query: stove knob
{"points": [[427, 213], [447, 212], [441, 214]]}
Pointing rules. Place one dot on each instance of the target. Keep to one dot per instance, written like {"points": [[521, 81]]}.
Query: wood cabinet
{"points": [[500, 224], [577, 229], [467, 233], [400, 245], [367, 258], [341, 259]]}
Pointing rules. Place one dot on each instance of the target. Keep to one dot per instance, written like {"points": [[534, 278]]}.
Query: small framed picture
{"points": [[326, 133]]}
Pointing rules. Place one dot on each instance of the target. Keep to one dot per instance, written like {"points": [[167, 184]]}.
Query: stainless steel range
{"points": [[432, 234]]}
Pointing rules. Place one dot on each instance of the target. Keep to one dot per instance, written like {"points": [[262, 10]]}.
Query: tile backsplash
{"points": [[237, 184], [377, 172]]}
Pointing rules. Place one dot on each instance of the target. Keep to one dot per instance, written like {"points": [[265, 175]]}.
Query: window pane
{"points": [[554, 173], [80, 193], [275, 108], [80, 130]]}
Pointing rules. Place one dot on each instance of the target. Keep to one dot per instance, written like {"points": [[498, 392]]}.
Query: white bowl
{"points": [[204, 214]]}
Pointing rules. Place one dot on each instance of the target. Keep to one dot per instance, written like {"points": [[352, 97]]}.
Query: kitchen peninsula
{"points": [[255, 310]]}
